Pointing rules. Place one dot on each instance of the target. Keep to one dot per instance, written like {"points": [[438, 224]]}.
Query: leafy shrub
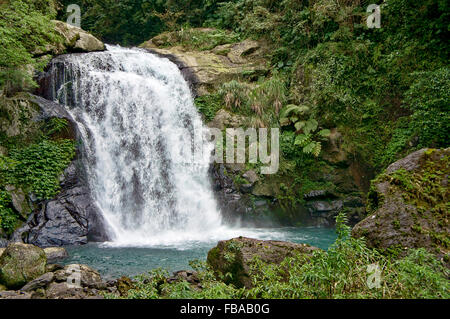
{"points": [[38, 166], [341, 272], [25, 29], [429, 98], [8, 219], [208, 105]]}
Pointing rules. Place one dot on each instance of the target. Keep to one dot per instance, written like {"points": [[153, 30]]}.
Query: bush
{"points": [[25, 30], [342, 272], [38, 167], [8, 219], [428, 98]]}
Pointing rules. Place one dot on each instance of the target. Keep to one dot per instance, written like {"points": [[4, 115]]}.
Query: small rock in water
{"points": [[55, 253]]}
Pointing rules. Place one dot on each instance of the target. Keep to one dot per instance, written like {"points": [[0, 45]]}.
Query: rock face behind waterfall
{"points": [[71, 218], [137, 119], [342, 178]]}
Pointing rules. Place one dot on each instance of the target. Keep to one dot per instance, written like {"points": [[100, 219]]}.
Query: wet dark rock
{"points": [[251, 177], [3, 243], [88, 277], [71, 218], [53, 267], [38, 283]]}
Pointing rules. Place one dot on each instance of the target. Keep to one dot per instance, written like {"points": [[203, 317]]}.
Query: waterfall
{"points": [[137, 117]]}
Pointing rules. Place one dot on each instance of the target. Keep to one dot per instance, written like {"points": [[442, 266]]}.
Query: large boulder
{"points": [[408, 205], [237, 255], [76, 39], [55, 253], [85, 276], [21, 263], [206, 69]]}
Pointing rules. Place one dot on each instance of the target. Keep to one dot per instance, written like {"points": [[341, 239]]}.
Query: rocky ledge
{"points": [[207, 69]]}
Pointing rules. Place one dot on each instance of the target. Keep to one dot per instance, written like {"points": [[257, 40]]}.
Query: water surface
{"points": [[113, 262]]}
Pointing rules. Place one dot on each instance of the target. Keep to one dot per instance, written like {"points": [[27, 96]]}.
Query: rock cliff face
{"points": [[409, 205], [71, 218], [21, 263], [255, 200], [25, 274]]}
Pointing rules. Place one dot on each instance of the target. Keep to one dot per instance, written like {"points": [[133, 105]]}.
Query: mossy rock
{"points": [[232, 260], [208, 69], [21, 263], [408, 205]]}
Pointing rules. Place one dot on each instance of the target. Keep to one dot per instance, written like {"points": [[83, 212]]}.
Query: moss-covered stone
{"points": [[21, 263], [409, 204], [232, 260]]}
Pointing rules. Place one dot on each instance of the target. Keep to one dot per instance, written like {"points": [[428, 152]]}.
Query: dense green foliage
{"points": [[39, 166], [386, 90], [33, 165], [372, 84], [25, 31]]}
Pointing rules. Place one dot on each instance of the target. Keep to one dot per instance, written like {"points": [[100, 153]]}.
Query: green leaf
{"points": [[324, 133], [299, 125], [311, 126], [302, 139]]}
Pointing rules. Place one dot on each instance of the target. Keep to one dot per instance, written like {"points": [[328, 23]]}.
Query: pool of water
{"points": [[113, 262]]}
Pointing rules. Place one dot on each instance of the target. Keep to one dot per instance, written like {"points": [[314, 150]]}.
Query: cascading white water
{"points": [[137, 117]]}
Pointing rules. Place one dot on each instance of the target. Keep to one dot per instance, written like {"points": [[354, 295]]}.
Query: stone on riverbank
{"points": [[235, 256], [21, 263]]}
